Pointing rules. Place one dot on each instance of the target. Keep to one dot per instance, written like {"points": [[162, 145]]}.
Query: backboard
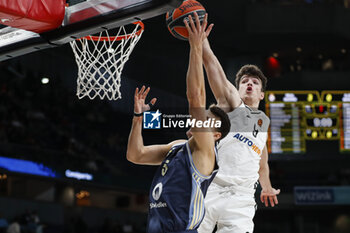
{"points": [[82, 19]]}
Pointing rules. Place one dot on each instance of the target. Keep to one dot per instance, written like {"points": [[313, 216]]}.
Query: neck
{"points": [[252, 104]]}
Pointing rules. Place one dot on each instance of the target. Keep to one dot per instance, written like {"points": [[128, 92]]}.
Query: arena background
{"points": [[300, 45]]}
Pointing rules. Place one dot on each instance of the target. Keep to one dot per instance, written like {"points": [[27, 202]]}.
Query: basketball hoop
{"points": [[101, 59]]}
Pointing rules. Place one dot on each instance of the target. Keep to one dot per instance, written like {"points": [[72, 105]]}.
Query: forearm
{"points": [[264, 177], [135, 142], [212, 65], [195, 78], [224, 91], [213, 68]]}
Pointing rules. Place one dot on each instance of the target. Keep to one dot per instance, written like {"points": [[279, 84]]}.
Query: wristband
{"points": [[141, 114], [138, 114]]}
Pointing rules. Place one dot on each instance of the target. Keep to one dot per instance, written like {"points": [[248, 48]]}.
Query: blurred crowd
{"points": [[51, 119], [28, 222]]}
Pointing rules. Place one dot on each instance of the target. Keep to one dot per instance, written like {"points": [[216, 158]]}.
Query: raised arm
{"points": [[267, 193], [224, 91], [202, 143], [137, 152], [195, 78]]}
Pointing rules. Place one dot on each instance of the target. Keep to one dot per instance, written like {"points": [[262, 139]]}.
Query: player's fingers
{"points": [[141, 91], [145, 93], [136, 92], [271, 202], [278, 191], [193, 27], [187, 26], [207, 32], [262, 198], [275, 200], [266, 201], [205, 21], [153, 101], [198, 23]]}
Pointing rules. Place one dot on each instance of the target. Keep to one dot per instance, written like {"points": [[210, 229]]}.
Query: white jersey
{"points": [[240, 151]]}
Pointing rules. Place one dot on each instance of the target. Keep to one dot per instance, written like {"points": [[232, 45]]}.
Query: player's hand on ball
{"points": [[269, 195], [139, 100], [197, 32]]}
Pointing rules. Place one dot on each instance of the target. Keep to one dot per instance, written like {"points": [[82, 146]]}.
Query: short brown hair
{"points": [[225, 121], [251, 70]]}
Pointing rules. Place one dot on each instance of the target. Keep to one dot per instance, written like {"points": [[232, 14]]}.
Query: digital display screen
{"points": [[298, 116]]}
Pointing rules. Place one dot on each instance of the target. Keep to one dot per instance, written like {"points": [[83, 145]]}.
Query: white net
{"points": [[101, 59]]}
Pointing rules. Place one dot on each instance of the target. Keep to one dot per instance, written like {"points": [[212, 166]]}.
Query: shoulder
{"points": [[241, 109], [176, 143]]}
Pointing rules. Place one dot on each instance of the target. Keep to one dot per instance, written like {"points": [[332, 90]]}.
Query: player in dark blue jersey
{"points": [[187, 167]]}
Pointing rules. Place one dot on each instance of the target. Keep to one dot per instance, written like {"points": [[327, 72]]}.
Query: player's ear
{"points": [[217, 135], [262, 95], [189, 133]]}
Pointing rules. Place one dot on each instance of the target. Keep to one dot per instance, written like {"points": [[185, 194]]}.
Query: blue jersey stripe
{"points": [[197, 207], [193, 196], [193, 211], [197, 204], [201, 208]]}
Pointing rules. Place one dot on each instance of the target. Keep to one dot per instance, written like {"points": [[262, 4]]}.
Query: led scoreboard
{"points": [[298, 116]]}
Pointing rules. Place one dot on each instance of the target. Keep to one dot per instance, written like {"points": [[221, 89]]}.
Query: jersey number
{"points": [[255, 131]]}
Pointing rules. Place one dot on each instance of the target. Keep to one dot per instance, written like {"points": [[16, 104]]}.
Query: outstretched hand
{"points": [[197, 33], [139, 100], [269, 194]]}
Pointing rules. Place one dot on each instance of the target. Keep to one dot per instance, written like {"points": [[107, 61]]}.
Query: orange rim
{"points": [[112, 38]]}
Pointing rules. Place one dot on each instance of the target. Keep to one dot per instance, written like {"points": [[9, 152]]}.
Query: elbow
{"points": [[135, 156], [131, 157]]}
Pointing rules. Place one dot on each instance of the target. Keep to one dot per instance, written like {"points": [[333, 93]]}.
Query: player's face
{"points": [[250, 89]]}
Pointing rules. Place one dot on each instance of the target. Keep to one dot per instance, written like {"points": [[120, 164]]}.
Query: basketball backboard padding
{"points": [[106, 15], [15, 42], [36, 15], [88, 18]]}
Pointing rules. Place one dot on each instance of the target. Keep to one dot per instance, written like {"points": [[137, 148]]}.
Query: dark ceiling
{"points": [[245, 31]]}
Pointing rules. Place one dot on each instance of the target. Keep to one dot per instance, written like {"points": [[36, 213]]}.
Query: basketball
{"points": [[175, 18]]}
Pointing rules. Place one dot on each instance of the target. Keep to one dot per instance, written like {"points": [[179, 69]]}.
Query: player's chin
{"points": [[251, 95], [248, 96]]}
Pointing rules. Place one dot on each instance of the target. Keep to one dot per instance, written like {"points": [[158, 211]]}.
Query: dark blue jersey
{"points": [[177, 193]]}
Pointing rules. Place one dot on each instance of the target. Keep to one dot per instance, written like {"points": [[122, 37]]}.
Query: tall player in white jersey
{"points": [[242, 154]]}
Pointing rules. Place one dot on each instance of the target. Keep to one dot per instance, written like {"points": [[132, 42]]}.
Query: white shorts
{"points": [[233, 211]]}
